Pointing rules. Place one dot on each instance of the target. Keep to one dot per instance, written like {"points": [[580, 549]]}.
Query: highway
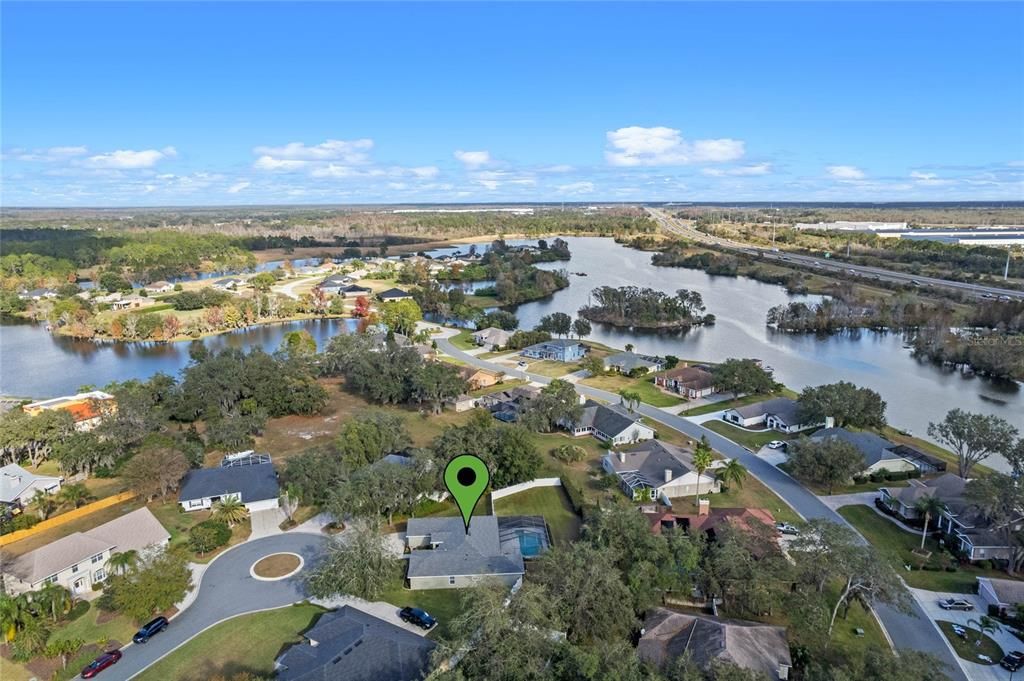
{"points": [[913, 631], [681, 228]]}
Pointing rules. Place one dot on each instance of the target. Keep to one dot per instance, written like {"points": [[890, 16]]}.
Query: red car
{"points": [[107, 659]]}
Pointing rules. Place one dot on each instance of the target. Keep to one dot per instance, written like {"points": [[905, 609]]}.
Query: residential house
{"points": [[335, 283], [354, 291], [492, 337], [348, 644], [480, 378], [461, 403], [668, 635], [79, 560], [18, 486], [926, 463], [228, 283], [37, 294], [877, 452], [559, 350], [86, 409], [655, 469], [255, 486], [627, 362], [780, 413], [132, 301], [159, 287], [612, 423], [709, 520], [393, 294], [506, 405], [692, 382], [948, 488], [1003, 595], [443, 555]]}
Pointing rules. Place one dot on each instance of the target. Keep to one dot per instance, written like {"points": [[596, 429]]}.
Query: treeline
{"points": [[834, 314], [728, 266], [637, 307]]}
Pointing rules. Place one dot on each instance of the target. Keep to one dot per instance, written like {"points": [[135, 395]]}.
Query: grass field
{"points": [[549, 502], [896, 544], [248, 643], [549, 367], [444, 604], [645, 387], [969, 648], [463, 340], [750, 439]]}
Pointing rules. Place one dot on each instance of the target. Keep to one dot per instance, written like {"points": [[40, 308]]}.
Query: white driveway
{"points": [[773, 456], [266, 523], [701, 418], [838, 500]]}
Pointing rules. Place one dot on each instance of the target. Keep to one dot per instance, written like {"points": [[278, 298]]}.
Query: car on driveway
{"points": [[421, 618], [150, 629], [107, 659], [776, 444], [787, 528], [956, 604], [1011, 662]]}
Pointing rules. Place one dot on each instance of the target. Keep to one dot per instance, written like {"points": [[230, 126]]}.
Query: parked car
{"points": [[1011, 662], [522, 364], [956, 604], [107, 659], [150, 629], [776, 444], [787, 528], [421, 618]]}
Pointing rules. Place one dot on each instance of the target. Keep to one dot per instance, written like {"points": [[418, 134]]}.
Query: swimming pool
{"points": [[530, 544]]}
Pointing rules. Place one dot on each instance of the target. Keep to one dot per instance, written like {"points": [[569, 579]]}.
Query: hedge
{"points": [[574, 493]]}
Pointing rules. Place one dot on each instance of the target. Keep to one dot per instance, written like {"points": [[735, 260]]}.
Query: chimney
{"points": [[668, 475], [830, 422], [622, 457], [703, 507]]}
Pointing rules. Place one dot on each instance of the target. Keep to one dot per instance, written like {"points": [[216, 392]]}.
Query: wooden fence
{"points": [[63, 518]]}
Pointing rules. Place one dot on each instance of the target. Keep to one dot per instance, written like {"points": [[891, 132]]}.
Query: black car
{"points": [[420, 618], [1012, 661], [150, 629]]}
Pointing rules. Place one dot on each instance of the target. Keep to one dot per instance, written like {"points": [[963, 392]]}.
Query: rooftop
{"points": [[644, 464], [874, 448], [254, 483], [627, 361], [608, 419], [14, 480], [783, 407], [456, 552]]}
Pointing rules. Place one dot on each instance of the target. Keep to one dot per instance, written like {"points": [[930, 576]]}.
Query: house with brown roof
{"points": [[691, 382], [79, 560], [480, 378], [86, 409], [668, 635]]}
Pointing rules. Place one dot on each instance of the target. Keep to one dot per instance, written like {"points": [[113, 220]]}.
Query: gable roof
{"points": [[1009, 591], [781, 406], [758, 647], [493, 334], [947, 488], [556, 343], [14, 480], [458, 553], [609, 419], [393, 293], [627, 361], [696, 377], [254, 483], [352, 645], [132, 531], [872, 447], [645, 463]]}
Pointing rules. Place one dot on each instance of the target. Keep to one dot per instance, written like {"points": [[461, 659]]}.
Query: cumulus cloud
{"points": [[238, 186], [46, 155], [559, 168], [661, 146], [425, 172], [473, 159], [350, 152], [930, 179], [741, 171], [125, 159], [576, 188], [846, 172]]}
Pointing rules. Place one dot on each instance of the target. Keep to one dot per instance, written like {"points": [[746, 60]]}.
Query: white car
{"points": [[776, 444], [522, 365]]}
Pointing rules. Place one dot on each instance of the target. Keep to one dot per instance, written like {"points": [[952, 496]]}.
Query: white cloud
{"points": [[930, 179], [46, 155], [334, 170], [351, 152], [560, 168], [123, 159], [846, 172], [577, 188], [742, 171], [661, 146], [238, 186], [271, 163], [473, 159], [425, 172]]}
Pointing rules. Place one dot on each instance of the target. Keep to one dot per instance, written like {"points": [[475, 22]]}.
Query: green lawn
{"points": [[464, 340], [178, 523], [968, 648], [444, 604], [248, 643], [649, 393], [749, 439], [753, 494], [119, 629], [896, 544], [549, 502], [551, 368], [949, 457]]}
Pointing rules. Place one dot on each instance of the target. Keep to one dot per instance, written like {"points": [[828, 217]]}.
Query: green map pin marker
{"points": [[466, 478]]}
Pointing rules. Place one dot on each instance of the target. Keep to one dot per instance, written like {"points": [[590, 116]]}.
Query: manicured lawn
{"points": [[506, 384], [119, 629], [753, 494], [549, 502], [549, 367], [896, 544], [750, 439], [968, 648], [246, 643], [645, 387], [742, 401], [464, 340], [178, 523], [444, 604]]}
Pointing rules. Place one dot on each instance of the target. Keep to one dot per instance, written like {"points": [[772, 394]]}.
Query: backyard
{"points": [[752, 440], [644, 387], [549, 502]]}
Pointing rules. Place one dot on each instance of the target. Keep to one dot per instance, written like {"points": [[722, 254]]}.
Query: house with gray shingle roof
{"points": [[17, 485], [255, 486], [780, 413], [445, 556], [626, 362], [612, 423], [877, 452], [348, 644], [656, 469]]}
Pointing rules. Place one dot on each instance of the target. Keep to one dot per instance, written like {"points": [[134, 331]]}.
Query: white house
{"points": [[17, 485], [159, 287], [255, 486], [614, 424], [780, 413], [1003, 594], [878, 453], [492, 337], [656, 469]]}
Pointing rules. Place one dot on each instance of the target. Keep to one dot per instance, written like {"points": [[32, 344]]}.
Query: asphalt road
{"points": [[227, 589], [827, 265], [907, 631]]}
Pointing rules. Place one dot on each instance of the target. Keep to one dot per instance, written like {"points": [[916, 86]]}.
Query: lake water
{"points": [[35, 364]]}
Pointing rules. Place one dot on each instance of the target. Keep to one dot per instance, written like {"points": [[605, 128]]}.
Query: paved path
{"points": [[227, 589], [266, 523], [839, 500], [911, 631]]}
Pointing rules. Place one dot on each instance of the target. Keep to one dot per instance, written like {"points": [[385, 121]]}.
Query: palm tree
{"points": [[231, 511], [45, 504], [13, 613], [930, 507], [123, 562], [54, 598], [984, 625], [732, 472], [76, 494], [630, 398], [702, 459]]}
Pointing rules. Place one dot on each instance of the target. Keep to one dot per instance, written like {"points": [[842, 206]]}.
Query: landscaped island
{"points": [[645, 308]]}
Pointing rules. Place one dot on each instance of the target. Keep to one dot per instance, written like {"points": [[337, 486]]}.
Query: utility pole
{"points": [[1006, 270]]}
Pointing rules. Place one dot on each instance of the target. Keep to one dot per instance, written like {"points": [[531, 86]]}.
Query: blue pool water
{"points": [[529, 544]]}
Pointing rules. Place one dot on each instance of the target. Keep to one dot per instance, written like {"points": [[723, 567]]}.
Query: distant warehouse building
{"points": [[845, 226]]}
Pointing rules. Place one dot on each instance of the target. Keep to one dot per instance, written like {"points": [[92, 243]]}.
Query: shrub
{"points": [[78, 609], [569, 453], [916, 473], [951, 568], [574, 492], [208, 535], [859, 479]]}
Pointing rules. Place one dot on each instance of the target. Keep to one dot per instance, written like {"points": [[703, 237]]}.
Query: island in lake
{"points": [[646, 308]]}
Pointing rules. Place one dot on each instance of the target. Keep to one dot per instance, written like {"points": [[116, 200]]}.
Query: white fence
{"points": [[522, 487]]}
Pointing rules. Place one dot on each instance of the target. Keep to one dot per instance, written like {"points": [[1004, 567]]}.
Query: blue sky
{"points": [[233, 103]]}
